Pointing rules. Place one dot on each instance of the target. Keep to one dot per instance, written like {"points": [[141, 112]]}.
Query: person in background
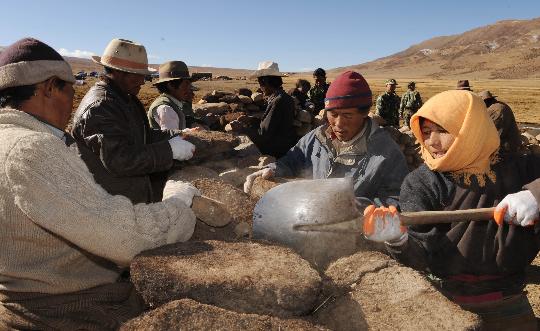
{"points": [[276, 133], [300, 92], [351, 144], [172, 109], [112, 132], [387, 106], [504, 121], [65, 241], [411, 101], [318, 92], [463, 85], [479, 265]]}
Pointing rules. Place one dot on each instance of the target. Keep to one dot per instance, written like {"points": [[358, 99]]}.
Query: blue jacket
{"points": [[377, 173]]}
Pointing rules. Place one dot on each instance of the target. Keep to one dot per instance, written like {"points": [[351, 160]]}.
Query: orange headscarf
{"points": [[464, 115]]}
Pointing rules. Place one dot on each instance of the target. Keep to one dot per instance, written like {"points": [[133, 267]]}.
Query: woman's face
{"points": [[436, 139]]}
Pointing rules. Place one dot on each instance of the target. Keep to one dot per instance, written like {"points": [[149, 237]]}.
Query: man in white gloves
{"points": [[65, 241], [112, 132]]}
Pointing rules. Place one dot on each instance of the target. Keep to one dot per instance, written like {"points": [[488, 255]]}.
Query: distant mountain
{"points": [[507, 49], [79, 64]]}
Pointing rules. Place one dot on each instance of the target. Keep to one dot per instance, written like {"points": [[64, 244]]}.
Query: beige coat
{"points": [[60, 231]]}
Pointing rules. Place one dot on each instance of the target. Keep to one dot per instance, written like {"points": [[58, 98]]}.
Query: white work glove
{"points": [[264, 173], [180, 190], [182, 150], [383, 225], [520, 208]]}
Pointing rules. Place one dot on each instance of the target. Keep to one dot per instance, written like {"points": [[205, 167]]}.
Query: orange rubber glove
{"points": [[383, 225]]}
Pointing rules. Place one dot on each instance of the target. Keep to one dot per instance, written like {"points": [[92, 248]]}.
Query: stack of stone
{"points": [[407, 144], [210, 285], [231, 106]]}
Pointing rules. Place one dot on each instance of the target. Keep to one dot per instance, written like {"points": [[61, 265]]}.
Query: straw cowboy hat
{"points": [[267, 68], [124, 55]]}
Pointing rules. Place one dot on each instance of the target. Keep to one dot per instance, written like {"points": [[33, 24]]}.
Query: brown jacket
{"points": [[116, 142], [506, 125]]}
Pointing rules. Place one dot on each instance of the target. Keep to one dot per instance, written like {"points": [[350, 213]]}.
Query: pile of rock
{"points": [[530, 143], [230, 106], [205, 285], [407, 144]]}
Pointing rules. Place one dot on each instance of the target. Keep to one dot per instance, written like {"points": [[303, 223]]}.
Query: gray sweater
{"points": [[60, 231]]}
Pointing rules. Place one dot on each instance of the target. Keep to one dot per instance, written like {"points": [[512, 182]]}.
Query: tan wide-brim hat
{"points": [[267, 68], [124, 55], [172, 70]]}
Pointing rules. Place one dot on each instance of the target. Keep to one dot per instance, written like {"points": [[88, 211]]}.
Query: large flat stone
{"points": [[240, 276], [190, 315], [383, 295]]}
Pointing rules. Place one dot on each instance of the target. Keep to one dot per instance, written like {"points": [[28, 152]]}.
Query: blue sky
{"points": [[299, 35]]}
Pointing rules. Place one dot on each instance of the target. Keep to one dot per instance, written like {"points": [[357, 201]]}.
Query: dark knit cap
{"points": [[348, 90], [30, 61]]}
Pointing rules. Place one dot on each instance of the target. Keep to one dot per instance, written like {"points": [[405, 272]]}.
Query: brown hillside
{"points": [[507, 50], [79, 64]]}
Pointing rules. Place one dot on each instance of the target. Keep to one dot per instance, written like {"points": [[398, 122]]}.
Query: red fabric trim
{"points": [[118, 62], [488, 297]]}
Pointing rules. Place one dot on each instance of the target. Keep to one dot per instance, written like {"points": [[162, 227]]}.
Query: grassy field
{"points": [[522, 95]]}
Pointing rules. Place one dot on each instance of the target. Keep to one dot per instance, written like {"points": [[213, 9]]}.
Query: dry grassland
{"points": [[522, 95]]}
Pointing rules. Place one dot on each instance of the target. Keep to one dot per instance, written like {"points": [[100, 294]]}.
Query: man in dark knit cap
{"points": [[350, 145], [113, 135], [65, 241]]}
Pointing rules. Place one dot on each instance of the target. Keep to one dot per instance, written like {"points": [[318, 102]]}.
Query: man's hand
{"points": [[264, 173], [383, 225], [182, 150], [180, 190], [520, 208]]}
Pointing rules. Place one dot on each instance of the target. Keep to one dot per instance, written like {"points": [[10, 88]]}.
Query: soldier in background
{"points": [[411, 101], [387, 106], [318, 91], [505, 122]]}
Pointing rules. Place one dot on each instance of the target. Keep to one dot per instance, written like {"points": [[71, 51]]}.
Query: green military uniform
{"points": [[411, 101], [387, 107], [317, 95]]}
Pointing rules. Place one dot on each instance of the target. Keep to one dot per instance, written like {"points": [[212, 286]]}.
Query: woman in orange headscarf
{"points": [[478, 265]]}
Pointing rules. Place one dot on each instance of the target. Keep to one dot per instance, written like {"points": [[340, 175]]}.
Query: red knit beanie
{"points": [[348, 90]]}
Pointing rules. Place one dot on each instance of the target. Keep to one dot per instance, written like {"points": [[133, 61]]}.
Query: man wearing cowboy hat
{"points": [[505, 122], [463, 85], [64, 240], [172, 109], [276, 133], [112, 132], [387, 106], [411, 101]]}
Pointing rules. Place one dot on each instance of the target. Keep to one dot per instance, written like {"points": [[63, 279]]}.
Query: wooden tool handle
{"points": [[434, 217]]}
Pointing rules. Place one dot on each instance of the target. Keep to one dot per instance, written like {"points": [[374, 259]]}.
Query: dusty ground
{"points": [[533, 287]]}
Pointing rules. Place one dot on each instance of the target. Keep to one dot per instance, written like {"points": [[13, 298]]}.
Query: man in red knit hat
{"points": [[349, 145]]}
